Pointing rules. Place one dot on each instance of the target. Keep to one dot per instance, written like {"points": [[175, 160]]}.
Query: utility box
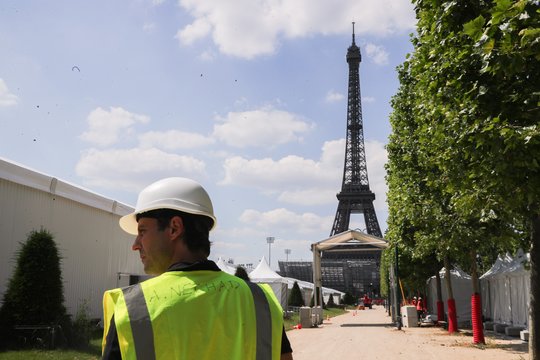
{"points": [[409, 316], [306, 319], [318, 312]]}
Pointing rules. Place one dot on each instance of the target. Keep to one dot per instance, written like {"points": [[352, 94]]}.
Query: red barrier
{"points": [[440, 311], [476, 313], [452, 317]]}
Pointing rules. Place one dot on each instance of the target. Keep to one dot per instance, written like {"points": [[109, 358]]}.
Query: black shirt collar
{"points": [[200, 265]]}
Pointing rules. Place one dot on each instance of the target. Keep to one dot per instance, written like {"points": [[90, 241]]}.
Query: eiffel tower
{"points": [[355, 195]]}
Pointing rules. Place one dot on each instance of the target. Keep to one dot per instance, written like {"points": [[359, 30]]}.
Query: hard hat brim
{"points": [[129, 224]]}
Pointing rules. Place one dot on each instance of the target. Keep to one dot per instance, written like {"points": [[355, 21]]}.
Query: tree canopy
{"points": [[463, 169]]}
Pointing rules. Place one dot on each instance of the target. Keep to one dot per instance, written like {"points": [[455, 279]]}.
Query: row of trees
{"points": [[464, 153]]}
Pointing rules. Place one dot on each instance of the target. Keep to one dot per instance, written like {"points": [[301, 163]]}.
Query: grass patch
{"points": [[92, 352], [295, 319]]}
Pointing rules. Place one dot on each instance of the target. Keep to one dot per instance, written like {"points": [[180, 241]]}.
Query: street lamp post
{"points": [[286, 268], [270, 241]]}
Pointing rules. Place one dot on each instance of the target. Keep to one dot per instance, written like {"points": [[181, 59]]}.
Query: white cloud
{"points": [[376, 158], [290, 172], [261, 128], [246, 28], [294, 179], [194, 31], [107, 127], [173, 140], [149, 27], [207, 55], [334, 96], [285, 219], [132, 169], [377, 54], [300, 181], [6, 98], [368, 99]]}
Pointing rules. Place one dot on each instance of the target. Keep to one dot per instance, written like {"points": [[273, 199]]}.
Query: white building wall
{"points": [[93, 248]]}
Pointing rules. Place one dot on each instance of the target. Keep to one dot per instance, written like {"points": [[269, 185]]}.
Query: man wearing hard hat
{"points": [[190, 309]]}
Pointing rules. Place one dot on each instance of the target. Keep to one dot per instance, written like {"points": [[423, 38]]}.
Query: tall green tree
{"points": [[504, 144], [466, 131], [34, 295]]}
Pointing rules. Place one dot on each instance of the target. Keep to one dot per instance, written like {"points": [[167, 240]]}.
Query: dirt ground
{"points": [[369, 334]]}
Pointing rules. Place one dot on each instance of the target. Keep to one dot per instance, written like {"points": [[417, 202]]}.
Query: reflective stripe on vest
{"points": [[264, 322], [139, 319], [143, 335]]}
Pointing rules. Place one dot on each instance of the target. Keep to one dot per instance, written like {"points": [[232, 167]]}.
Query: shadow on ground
{"points": [[367, 325]]}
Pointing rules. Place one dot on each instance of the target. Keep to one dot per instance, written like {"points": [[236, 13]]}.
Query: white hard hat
{"points": [[171, 193]]}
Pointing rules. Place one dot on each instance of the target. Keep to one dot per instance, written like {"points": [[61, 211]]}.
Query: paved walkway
{"points": [[368, 334]]}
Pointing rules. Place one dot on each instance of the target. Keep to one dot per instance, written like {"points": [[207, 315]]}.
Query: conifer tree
{"points": [[295, 297], [35, 294]]}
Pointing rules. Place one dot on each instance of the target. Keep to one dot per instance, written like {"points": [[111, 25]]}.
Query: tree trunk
{"points": [[534, 318], [476, 304], [452, 316], [447, 278], [440, 304]]}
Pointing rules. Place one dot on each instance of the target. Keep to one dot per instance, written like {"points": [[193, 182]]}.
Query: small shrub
{"points": [[83, 327], [295, 297], [331, 303], [348, 299]]}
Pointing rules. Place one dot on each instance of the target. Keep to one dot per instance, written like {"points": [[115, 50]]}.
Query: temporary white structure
{"points": [[461, 288], [306, 288], [506, 290], [265, 275], [225, 267], [96, 254]]}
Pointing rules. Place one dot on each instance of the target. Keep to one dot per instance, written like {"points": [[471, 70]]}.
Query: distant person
{"points": [[419, 308], [191, 309], [241, 273], [367, 301]]}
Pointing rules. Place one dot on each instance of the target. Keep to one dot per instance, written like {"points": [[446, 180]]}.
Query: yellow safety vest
{"points": [[195, 315]]}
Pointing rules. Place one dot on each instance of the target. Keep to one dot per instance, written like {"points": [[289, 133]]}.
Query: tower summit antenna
{"points": [[353, 33]]}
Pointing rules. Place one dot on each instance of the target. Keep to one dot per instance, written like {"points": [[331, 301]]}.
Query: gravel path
{"points": [[368, 334]]}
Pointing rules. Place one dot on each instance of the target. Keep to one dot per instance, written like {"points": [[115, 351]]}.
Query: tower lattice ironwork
{"points": [[355, 195]]}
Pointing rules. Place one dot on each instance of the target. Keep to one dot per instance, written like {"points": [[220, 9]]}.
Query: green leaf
{"points": [[488, 46], [529, 36], [474, 28], [500, 11]]}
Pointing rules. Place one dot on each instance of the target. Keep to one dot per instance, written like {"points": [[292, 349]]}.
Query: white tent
{"points": [[265, 275], [506, 290], [225, 267], [307, 291], [462, 289]]}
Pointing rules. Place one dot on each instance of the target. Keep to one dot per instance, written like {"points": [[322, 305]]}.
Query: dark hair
{"points": [[241, 273], [196, 227]]}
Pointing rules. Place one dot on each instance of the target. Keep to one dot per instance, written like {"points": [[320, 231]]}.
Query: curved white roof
{"points": [[25, 176]]}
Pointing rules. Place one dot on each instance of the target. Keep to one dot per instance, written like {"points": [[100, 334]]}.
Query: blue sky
{"points": [[247, 97]]}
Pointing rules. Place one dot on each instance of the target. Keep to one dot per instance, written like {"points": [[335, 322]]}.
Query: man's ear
{"points": [[176, 226]]}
